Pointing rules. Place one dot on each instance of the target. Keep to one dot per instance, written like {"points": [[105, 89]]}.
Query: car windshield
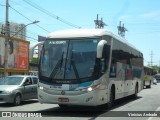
{"points": [[68, 59], [11, 81], [157, 77]]}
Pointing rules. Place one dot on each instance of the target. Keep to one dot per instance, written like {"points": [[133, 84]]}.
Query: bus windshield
{"points": [[68, 61]]}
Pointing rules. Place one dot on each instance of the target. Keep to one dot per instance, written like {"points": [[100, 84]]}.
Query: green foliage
{"points": [[156, 69], [34, 61]]}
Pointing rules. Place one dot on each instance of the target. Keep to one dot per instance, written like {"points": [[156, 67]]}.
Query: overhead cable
{"points": [[28, 19], [50, 14]]}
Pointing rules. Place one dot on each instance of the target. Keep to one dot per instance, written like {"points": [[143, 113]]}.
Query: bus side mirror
{"points": [[100, 47]]}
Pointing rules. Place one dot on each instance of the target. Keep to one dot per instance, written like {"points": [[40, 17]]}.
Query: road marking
{"points": [[128, 105], [155, 118]]}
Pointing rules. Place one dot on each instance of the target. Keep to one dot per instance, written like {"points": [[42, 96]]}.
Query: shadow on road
{"points": [[84, 111], [29, 102], [23, 103]]}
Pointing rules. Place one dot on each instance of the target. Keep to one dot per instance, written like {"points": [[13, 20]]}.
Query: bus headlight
{"points": [[91, 88], [41, 88]]}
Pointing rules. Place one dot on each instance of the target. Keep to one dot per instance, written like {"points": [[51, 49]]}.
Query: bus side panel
{"points": [[126, 80]]}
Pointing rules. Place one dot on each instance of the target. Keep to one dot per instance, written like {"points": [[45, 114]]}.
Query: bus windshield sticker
{"points": [[57, 42]]}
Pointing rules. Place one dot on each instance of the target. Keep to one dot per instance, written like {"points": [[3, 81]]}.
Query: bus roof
{"points": [[82, 33], [79, 33]]}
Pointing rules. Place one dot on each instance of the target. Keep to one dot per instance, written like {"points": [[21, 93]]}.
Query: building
{"points": [[16, 30]]}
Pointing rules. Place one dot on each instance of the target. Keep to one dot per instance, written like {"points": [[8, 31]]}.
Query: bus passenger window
{"points": [[113, 69]]}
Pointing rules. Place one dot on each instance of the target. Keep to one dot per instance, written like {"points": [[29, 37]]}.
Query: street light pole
{"points": [[7, 33], [7, 39], [34, 22]]}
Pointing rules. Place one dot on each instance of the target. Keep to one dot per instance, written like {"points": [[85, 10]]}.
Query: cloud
{"points": [[151, 14], [125, 17]]}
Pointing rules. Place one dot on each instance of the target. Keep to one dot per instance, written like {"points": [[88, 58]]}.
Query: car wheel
{"points": [[17, 99]]}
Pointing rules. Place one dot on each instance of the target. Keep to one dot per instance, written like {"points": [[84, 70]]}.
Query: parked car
{"points": [[157, 77], [147, 81], [154, 81], [17, 88]]}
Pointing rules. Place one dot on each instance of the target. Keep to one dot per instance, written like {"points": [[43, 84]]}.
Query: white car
{"points": [[157, 77], [154, 81]]}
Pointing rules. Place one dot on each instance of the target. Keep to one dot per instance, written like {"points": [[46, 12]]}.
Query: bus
{"points": [[88, 67], [148, 76]]}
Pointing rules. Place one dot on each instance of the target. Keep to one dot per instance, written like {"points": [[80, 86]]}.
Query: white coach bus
{"points": [[88, 67]]}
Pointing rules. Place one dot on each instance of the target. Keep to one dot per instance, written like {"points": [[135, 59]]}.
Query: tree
{"points": [[156, 69], [34, 61]]}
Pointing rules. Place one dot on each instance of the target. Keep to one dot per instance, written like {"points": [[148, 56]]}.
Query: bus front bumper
{"points": [[92, 98]]}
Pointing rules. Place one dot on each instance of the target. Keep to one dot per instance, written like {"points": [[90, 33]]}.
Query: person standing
{"points": [[2, 52], [11, 57]]}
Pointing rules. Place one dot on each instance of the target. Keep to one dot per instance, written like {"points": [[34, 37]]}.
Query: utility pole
{"points": [[7, 33], [99, 24], [159, 68], [7, 30], [96, 22], [151, 63], [121, 30]]}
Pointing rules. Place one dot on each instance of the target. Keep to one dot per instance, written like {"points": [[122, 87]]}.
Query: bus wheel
{"points": [[149, 86], [136, 92], [111, 99]]}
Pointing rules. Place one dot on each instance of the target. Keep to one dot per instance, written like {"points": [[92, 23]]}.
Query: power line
{"points": [[2, 5], [33, 39], [144, 32], [28, 19], [31, 32], [50, 14]]}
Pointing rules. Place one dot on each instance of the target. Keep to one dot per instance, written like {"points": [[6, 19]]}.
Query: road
{"points": [[148, 100]]}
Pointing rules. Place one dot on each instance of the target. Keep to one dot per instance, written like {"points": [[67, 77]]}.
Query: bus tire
{"points": [[111, 98], [143, 84], [135, 95], [62, 105], [149, 86]]}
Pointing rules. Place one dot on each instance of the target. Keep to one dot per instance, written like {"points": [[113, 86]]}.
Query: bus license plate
{"points": [[63, 99]]}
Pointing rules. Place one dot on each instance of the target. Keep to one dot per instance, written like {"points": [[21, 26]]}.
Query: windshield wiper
{"points": [[75, 70], [74, 67], [56, 68], [61, 60]]}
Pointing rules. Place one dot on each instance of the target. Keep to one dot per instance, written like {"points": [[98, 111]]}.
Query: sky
{"points": [[140, 17]]}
